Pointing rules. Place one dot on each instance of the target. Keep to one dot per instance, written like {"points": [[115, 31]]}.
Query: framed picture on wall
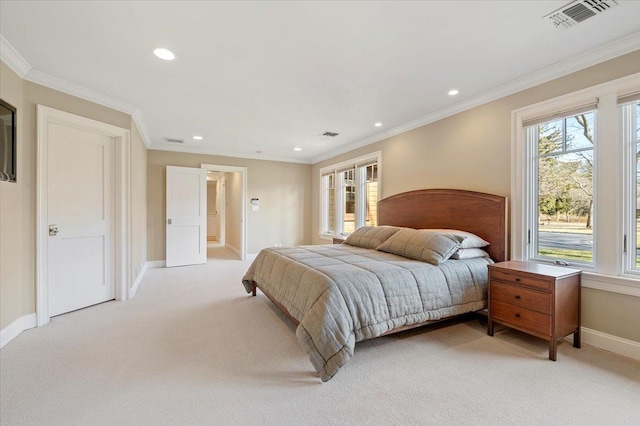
{"points": [[7, 142]]}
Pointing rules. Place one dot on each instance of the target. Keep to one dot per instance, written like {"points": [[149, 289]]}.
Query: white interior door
{"points": [[186, 216], [80, 213]]}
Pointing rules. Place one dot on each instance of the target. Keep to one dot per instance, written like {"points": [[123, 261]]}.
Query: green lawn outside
{"points": [[575, 228], [566, 254]]}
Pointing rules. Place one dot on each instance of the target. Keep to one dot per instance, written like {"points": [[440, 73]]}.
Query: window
{"points": [[630, 113], [349, 195], [563, 179], [576, 183]]}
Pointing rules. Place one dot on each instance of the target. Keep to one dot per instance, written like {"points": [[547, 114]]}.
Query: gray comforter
{"points": [[342, 294]]}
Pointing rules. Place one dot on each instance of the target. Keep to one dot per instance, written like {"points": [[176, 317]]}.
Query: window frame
{"points": [[610, 184], [629, 124], [531, 140], [360, 209]]}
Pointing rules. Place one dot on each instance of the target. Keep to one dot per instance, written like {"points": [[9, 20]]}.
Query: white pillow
{"points": [[469, 253], [471, 240]]}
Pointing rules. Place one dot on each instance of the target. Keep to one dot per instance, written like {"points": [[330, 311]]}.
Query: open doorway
{"points": [[226, 212]]}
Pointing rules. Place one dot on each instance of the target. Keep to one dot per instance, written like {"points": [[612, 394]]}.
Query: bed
{"points": [[397, 276]]}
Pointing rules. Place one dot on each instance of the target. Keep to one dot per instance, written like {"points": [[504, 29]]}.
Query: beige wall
{"points": [[233, 215], [284, 190], [11, 212], [211, 196], [472, 150], [18, 209]]}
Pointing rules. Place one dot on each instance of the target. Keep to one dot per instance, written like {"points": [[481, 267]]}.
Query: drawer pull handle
{"points": [[517, 297], [517, 315], [517, 280]]}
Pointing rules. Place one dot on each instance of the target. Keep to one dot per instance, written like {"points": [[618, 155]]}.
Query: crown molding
{"points": [[142, 127], [12, 58], [593, 57], [78, 91], [90, 95], [17, 63], [221, 153]]}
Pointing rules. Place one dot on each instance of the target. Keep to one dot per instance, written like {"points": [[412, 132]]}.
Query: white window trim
{"points": [[608, 253], [629, 141], [531, 205], [377, 156]]}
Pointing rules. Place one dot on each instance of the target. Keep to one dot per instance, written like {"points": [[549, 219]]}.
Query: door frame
{"points": [[122, 202], [243, 221], [222, 217]]}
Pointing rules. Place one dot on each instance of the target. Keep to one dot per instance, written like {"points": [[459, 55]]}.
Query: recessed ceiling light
{"points": [[453, 92], [297, 149], [378, 124], [165, 54], [198, 138]]}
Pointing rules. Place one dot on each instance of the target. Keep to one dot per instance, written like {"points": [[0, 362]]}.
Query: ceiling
{"points": [[257, 79]]}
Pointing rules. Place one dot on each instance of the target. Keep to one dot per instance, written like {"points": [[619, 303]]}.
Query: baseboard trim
{"points": [[608, 342], [14, 329], [138, 280], [152, 264], [234, 250]]}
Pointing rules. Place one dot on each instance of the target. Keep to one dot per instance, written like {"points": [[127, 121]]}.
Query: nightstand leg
{"points": [[576, 339], [553, 350], [490, 327]]}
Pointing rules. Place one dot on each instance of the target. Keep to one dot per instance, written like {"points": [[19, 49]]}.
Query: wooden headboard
{"points": [[482, 214]]}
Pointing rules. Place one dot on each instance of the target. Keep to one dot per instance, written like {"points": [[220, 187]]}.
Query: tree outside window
{"points": [[565, 188]]}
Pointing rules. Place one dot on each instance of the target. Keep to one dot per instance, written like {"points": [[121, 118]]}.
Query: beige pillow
{"points": [[422, 245], [371, 237]]}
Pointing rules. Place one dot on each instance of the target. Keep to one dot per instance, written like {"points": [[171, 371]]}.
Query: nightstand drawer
{"points": [[521, 280], [521, 318], [531, 299]]}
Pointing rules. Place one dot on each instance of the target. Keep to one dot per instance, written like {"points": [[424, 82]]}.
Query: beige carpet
{"points": [[194, 348]]}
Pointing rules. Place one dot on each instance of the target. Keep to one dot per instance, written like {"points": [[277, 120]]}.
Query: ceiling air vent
{"points": [[172, 140], [578, 11], [331, 134]]}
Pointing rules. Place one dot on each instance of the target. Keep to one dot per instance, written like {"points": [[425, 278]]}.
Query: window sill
{"points": [[611, 283], [332, 236]]}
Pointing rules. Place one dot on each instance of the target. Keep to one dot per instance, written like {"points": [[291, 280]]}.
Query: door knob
{"points": [[53, 230], [169, 221]]}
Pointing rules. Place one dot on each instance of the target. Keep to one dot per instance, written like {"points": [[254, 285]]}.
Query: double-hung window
{"points": [[576, 182], [630, 128], [349, 195], [561, 156]]}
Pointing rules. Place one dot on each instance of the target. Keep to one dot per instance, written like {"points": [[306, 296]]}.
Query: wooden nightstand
{"points": [[541, 300]]}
